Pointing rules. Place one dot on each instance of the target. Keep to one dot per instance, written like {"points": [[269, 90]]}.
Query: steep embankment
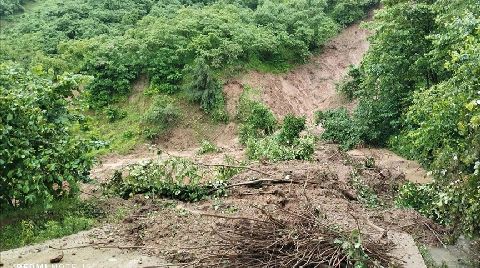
{"points": [[303, 90], [309, 87]]}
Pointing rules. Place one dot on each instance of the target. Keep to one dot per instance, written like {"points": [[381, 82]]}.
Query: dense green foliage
{"points": [[169, 40], [8, 7], [175, 178], [39, 159], [272, 148], [346, 12], [338, 127], [256, 119], [208, 147], [182, 48], [419, 92], [291, 128], [207, 91], [161, 115], [265, 139]]}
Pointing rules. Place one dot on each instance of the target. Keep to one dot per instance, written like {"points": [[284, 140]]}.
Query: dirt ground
{"points": [[311, 86], [167, 232], [89, 249]]}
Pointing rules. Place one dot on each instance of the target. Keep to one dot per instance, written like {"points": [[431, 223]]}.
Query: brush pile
{"points": [[299, 239]]}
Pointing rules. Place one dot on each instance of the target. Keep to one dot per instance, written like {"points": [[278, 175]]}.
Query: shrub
{"points": [[224, 173], [350, 85], [8, 7], [161, 115], [339, 127], [257, 120], [24, 226], [175, 178], [207, 147], [346, 12], [364, 192], [291, 128], [205, 89], [271, 148], [39, 159], [455, 205], [114, 114]]}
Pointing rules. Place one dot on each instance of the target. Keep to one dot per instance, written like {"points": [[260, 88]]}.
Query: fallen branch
{"points": [[196, 212], [435, 234], [102, 245], [260, 181], [297, 238], [234, 166]]}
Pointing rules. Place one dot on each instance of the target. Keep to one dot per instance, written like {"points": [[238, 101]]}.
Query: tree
{"points": [[40, 160]]}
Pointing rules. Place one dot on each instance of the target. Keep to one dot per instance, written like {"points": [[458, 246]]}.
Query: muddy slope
{"points": [[310, 87]]}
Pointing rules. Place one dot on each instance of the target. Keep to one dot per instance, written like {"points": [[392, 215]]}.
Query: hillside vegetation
{"points": [[184, 48], [81, 78], [419, 93]]}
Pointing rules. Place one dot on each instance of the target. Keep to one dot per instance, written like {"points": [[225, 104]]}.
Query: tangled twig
{"points": [[297, 239]]}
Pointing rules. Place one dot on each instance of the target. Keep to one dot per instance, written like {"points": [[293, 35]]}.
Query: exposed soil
{"points": [[194, 127], [412, 170], [90, 249], [185, 232], [311, 86]]}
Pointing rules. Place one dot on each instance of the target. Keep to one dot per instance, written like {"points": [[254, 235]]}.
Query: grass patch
{"points": [[36, 224], [122, 133]]}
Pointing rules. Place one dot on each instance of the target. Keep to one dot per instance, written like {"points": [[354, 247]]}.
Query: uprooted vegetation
{"points": [[299, 238], [176, 178], [290, 212]]}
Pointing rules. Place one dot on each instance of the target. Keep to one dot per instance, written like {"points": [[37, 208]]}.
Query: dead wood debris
{"points": [[297, 239]]}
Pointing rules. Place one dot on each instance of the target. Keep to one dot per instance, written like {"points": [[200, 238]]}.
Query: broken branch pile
{"points": [[300, 239]]}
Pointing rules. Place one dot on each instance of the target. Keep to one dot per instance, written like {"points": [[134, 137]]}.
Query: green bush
{"points": [[417, 92], [175, 178], [454, 204], [272, 148], [225, 173], [8, 7], [207, 147], [24, 226], [350, 85], [364, 192], [346, 12], [256, 119], [116, 42], [161, 115], [39, 158], [206, 90], [114, 114], [339, 127], [291, 128]]}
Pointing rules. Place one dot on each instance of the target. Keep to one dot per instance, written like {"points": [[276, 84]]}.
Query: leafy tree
{"points": [[162, 114], [346, 12], [39, 159], [418, 91], [8, 7]]}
